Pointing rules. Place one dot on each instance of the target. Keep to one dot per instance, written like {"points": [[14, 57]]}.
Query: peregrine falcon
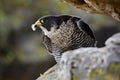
{"points": [[63, 33]]}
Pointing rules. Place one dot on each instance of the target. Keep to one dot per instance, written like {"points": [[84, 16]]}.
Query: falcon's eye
{"points": [[42, 21]]}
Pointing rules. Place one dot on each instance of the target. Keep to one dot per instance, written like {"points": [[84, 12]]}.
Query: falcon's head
{"points": [[51, 23]]}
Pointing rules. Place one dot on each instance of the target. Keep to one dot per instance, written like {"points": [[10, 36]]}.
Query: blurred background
{"points": [[22, 54]]}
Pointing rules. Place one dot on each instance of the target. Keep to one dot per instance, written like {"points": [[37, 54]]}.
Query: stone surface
{"points": [[109, 7], [79, 64]]}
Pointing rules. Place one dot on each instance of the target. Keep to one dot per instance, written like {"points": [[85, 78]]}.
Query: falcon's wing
{"points": [[86, 28]]}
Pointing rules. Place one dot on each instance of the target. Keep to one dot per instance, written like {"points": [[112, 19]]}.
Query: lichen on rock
{"points": [[90, 63]]}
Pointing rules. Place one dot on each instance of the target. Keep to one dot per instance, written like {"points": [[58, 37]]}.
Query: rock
{"points": [[109, 7], [87, 63]]}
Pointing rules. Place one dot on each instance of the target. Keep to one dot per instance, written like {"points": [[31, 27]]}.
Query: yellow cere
{"points": [[38, 22]]}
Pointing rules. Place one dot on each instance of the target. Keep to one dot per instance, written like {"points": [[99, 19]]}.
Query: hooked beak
{"points": [[34, 26]]}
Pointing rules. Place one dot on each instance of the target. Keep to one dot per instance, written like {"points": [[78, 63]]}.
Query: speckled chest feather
{"points": [[69, 37]]}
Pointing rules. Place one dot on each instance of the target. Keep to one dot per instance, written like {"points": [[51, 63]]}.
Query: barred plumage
{"points": [[64, 32]]}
